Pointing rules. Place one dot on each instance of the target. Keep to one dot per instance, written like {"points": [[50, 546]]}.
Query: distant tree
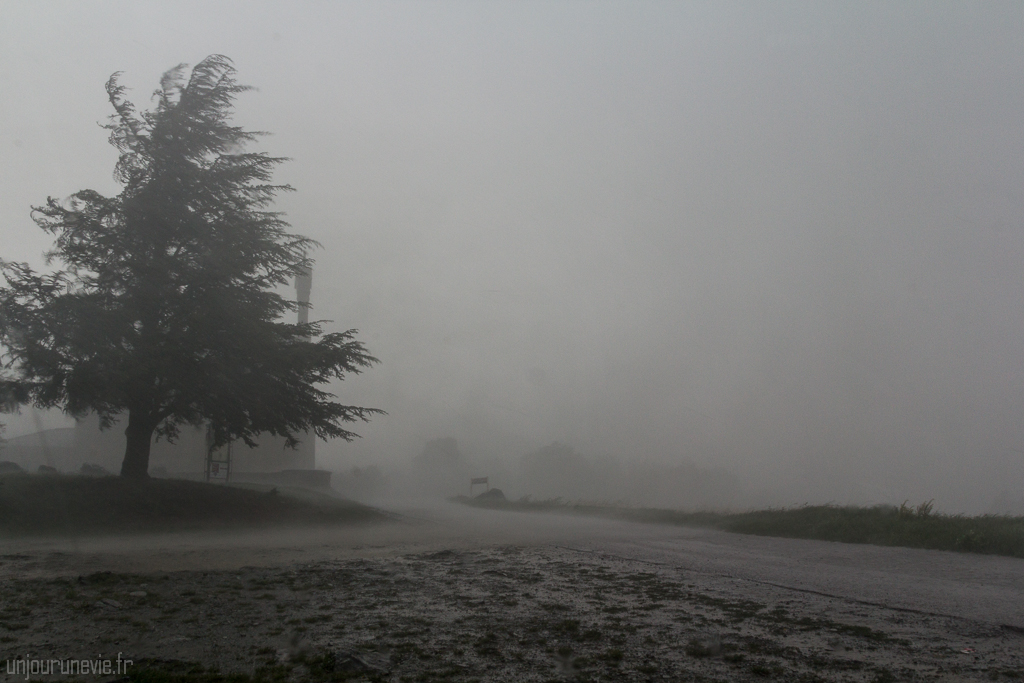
{"points": [[440, 468], [440, 454], [558, 470], [164, 308], [556, 457]]}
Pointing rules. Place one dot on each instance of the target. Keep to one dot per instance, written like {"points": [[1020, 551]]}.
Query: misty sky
{"points": [[780, 238]]}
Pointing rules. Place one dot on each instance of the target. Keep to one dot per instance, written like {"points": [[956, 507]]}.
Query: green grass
{"points": [[880, 525], [64, 505]]}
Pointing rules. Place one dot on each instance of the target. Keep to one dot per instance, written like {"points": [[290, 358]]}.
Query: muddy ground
{"points": [[558, 600]]}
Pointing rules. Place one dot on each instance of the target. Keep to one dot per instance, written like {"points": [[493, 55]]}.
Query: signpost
{"points": [[478, 481], [218, 462]]}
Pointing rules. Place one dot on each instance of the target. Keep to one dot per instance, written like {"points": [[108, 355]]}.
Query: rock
{"points": [[107, 602], [138, 594], [491, 494], [8, 467]]}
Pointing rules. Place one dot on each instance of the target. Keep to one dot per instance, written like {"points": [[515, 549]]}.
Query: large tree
{"points": [[163, 310]]}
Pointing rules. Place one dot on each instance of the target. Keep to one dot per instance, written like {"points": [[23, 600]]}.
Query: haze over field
{"points": [[784, 240]]}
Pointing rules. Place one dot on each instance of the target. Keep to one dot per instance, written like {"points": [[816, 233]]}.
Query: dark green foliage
{"points": [[165, 307]]}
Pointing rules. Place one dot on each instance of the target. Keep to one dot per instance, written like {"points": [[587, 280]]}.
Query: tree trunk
{"points": [[139, 437]]}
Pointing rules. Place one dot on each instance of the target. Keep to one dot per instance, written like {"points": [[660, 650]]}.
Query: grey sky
{"points": [[783, 238]]}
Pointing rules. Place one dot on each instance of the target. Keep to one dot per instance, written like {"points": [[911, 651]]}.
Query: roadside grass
{"points": [[911, 527], [889, 525], [68, 505]]}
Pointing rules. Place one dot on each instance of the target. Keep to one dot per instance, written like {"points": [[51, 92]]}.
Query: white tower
{"points": [[303, 286], [305, 452]]}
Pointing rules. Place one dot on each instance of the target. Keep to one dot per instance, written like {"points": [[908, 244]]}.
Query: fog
{"points": [[775, 243]]}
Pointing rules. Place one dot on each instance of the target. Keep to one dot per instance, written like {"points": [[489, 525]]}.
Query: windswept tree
{"points": [[163, 310]]}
